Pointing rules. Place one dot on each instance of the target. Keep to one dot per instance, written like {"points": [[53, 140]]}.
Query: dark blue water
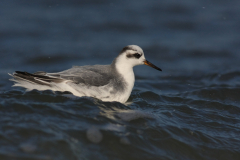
{"points": [[190, 111]]}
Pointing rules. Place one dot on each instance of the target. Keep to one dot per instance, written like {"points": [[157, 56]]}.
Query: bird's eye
{"points": [[137, 55]]}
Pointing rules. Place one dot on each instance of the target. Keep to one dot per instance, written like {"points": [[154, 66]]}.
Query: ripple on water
{"points": [[191, 124]]}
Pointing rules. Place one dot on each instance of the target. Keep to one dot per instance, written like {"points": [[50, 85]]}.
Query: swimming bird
{"points": [[112, 82]]}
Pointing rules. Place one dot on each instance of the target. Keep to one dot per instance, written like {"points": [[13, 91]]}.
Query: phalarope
{"points": [[112, 82]]}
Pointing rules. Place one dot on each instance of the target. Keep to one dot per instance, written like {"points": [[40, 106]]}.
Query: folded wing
{"points": [[97, 75]]}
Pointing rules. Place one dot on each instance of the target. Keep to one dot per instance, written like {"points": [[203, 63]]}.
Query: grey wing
{"points": [[98, 75]]}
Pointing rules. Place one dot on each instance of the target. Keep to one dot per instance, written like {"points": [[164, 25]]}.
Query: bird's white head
{"points": [[132, 55]]}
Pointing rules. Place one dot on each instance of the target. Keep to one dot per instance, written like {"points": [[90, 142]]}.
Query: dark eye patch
{"points": [[137, 55]]}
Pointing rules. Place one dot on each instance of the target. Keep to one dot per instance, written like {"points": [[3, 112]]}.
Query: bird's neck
{"points": [[126, 71]]}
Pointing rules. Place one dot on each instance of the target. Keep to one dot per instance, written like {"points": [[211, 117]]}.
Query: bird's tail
{"points": [[39, 78]]}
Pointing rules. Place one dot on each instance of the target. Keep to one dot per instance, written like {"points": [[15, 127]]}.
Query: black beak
{"points": [[151, 65]]}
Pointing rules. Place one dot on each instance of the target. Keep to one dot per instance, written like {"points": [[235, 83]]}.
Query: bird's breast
{"points": [[129, 80]]}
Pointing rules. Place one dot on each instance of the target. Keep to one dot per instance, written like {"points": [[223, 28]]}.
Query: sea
{"points": [[189, 111]]}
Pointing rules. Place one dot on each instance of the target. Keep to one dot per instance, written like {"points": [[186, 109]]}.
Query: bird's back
{"points": [[96, 75], [99, 81]]}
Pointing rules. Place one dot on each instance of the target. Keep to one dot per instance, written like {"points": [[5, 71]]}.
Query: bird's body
{"points": [[112, 82]]}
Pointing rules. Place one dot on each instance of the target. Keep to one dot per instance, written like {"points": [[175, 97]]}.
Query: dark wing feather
{"points": [[36, 78], [97, 75]]}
